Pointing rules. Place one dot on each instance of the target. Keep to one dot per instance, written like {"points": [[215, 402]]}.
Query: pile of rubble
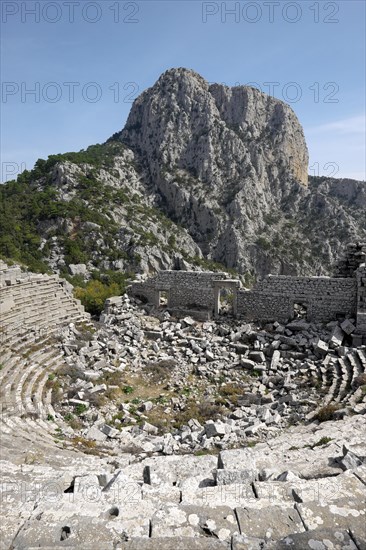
{"points": [[161, 385]]}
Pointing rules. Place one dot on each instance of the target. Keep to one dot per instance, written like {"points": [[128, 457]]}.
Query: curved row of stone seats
{"points": [[289, 492], [33, 308], [23, 383], [342, 381]]}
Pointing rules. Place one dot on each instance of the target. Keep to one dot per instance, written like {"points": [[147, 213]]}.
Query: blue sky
{"points": [[309, 53]]}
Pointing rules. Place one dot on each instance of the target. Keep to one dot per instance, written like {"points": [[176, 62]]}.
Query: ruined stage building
{"points": [[275, 298]]}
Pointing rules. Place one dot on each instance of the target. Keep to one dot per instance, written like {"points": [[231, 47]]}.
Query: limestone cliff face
{"points": [[220, 159]]}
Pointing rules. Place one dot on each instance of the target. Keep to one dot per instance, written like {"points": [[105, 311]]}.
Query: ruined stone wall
{"points": [[257, 306], [275, 296], [9, 274], [184, 288]]}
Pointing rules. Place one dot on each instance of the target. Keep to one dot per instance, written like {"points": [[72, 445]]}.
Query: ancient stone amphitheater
{"points": [[304, 488]]}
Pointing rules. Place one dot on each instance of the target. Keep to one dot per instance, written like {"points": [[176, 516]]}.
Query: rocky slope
{"points": [[201, 173]]}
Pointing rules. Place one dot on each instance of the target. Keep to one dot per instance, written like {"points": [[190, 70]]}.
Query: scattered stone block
{"points": [[276, 358], [257, 356], [99, 388], [247, 363], [321, 348], [149, 428], [109, 431], [213, 429], [95, 434], [236, 466], [337, 337], [348, 327]]}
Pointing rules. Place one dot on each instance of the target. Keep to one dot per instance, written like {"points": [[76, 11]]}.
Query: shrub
{"points": [[95, 294], [326, 413]]}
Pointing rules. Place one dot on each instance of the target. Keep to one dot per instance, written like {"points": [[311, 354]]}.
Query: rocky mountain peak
{"points": [[184, 120], [219, 159]]}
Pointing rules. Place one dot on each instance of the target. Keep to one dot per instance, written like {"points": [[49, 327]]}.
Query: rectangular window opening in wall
{"points": [[163, 298], [300, 311]]}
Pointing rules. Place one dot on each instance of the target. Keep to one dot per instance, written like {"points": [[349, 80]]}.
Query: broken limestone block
{"points": [[247, 363], [91, 375], [213, 429], [84, 484], [236, 466], [257, 356], [288, 476], [252, 430], [147, 406], [320, 347], [237, 414], [188, 322], [348, 327], [78, 269], [276, 357], [170, 445], [337, 337], [109, 431], [99, 388], [96, 434], [350, 461], [149, 428]]}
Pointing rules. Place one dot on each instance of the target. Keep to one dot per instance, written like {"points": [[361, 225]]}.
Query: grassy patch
{"points": [[321, 442]]}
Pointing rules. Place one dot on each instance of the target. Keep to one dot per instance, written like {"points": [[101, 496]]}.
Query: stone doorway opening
{"points": [[226, 296], [226, 299], [300, 311]]}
